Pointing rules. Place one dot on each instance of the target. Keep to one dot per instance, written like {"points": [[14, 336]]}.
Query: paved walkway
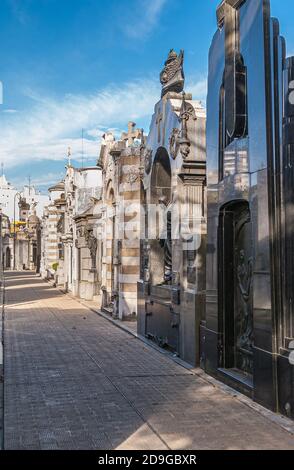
{"points": [[73, 380]]}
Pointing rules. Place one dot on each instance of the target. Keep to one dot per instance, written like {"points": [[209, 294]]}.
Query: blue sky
{"points": [[68, 65]]}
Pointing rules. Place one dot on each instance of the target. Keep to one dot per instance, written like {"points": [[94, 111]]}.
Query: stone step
{"points": [[107, 310]]}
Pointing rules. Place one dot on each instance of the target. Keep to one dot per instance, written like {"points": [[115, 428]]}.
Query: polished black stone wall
{"points": [[249, 319]]}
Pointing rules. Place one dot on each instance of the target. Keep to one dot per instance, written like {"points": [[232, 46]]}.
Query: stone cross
{"points": [[132, 133], [159, 119]]}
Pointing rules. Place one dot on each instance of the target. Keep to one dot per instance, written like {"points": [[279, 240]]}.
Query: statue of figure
{"points": [[244, 276], [92, 244], [172, 76], [166, 244]]}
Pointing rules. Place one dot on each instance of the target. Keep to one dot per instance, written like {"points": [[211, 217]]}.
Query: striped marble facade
{"points": [[129, 194]]}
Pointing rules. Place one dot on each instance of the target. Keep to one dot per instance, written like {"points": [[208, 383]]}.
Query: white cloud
{"points": [[51, 126], [10, 111], [99, 131], [144, 19], [43, 180], [198, 88]]}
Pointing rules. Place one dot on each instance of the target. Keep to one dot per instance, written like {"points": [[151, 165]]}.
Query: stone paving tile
{"points": [[75, 381], [192, 414], [56, 395]]}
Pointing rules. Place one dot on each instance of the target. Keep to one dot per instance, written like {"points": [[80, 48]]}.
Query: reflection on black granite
{"points": [[249, 307]]}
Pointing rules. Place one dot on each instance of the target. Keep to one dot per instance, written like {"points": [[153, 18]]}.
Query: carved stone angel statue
{"points": [[92, 244], [172, 76]]}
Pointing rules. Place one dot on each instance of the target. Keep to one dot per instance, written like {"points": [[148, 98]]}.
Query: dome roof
{"points": [[57, 187]]}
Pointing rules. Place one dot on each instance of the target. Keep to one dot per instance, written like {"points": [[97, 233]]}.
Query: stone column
{"points": [[193, 178]]}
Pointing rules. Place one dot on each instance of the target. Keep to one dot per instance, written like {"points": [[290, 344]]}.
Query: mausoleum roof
{"points": [[58, 187]]}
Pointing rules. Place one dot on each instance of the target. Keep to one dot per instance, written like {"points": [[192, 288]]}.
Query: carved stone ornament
{"points": [[174, 143], [172, 76], [185, 145], [187, 113], [132, 175], [147, 158], [187, 110]]}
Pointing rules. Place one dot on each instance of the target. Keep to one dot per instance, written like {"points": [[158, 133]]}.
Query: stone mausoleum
{"points": [[171, 290], [248, 329]]}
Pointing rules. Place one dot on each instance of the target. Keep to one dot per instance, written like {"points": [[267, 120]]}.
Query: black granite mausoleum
{"points": [[249, 326]]}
